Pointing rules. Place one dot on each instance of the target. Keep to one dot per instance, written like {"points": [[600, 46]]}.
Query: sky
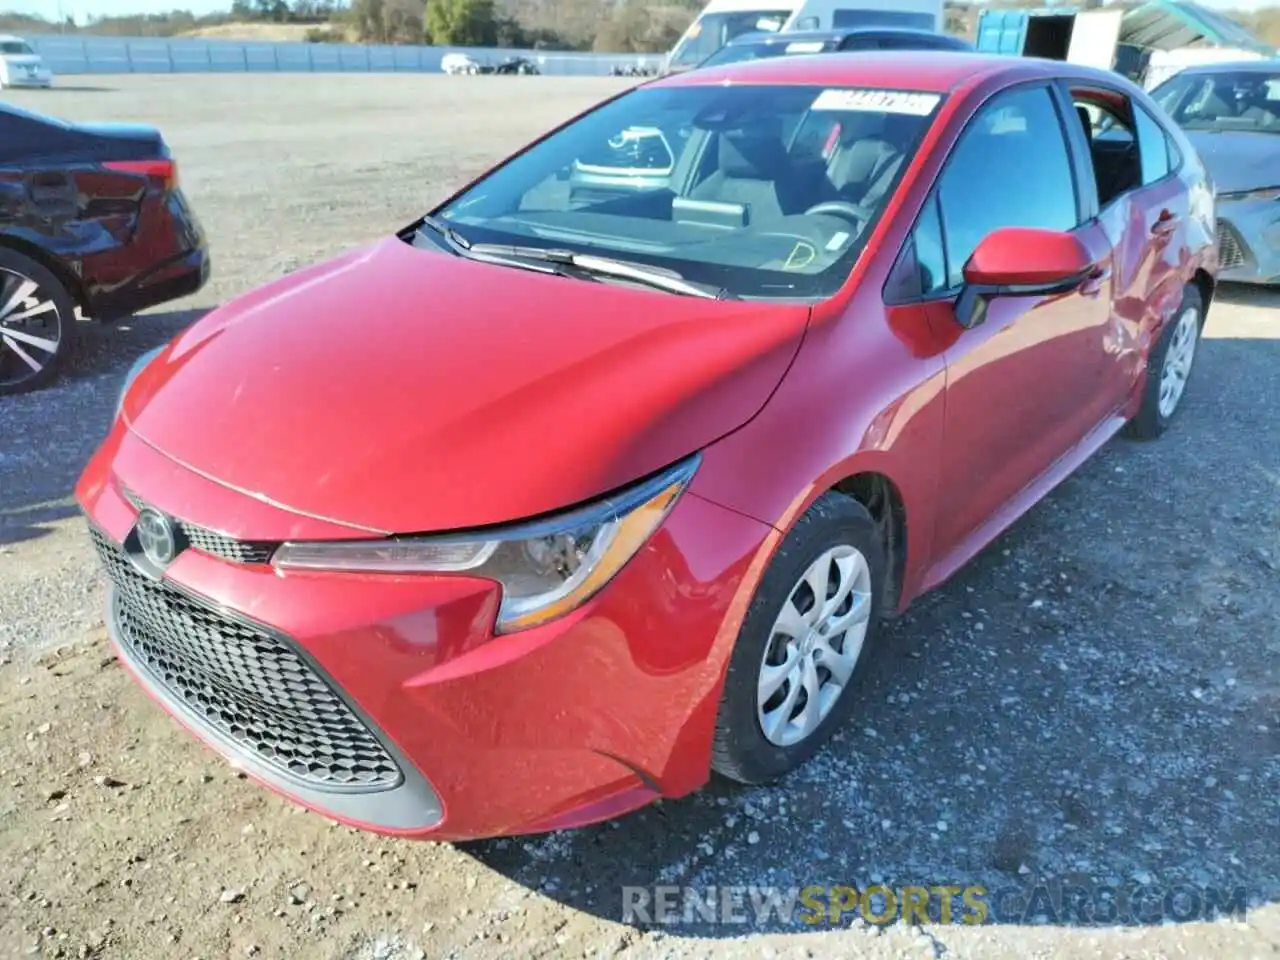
{"points": [[83, 9]]}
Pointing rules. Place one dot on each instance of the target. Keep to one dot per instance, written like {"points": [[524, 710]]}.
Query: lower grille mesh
{"points": [[248, 684], [1230, 249]]}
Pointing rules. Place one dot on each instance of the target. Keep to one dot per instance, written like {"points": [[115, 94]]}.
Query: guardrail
{"points": [[82, 54]]}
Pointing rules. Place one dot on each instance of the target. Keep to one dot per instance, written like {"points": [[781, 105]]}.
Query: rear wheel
{"points": [[37, 323], [1169, 368], [804, 644]]}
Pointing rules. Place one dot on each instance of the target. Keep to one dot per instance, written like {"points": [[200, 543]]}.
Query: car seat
{"points": [[750, 166], [864, 165]]}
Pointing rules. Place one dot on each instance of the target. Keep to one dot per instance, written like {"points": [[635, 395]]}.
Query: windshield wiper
{"points": [[462, 247], [596, 267], [457, 241]]}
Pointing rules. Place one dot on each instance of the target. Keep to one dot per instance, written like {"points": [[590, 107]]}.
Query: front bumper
{"points": [[385, 701], [1249, 241], [21, 79]]}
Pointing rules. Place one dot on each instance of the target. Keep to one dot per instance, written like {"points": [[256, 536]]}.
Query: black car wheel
{"points": [[812, 627], [37, 321]]}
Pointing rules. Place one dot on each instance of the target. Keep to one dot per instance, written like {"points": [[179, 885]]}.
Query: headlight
{"points": [[546, 568], [132, 375], [1262, 193]]}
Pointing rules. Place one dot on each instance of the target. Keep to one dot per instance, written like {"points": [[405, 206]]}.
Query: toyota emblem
{"points": [[156, 537]]}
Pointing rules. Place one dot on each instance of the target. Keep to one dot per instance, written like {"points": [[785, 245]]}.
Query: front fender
{"points": [[858, 399]]}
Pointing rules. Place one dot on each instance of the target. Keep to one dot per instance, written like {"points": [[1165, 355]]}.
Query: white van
{"points": [[722, 20], [20, 65]]}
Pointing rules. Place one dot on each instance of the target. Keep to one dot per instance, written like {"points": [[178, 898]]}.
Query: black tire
{"points": [[1151, 422], [741, 751], [22, 342]]}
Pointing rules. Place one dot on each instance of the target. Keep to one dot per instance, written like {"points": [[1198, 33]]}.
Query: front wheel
{"points": [[37, 323], [804, 644], [1169, 368]]}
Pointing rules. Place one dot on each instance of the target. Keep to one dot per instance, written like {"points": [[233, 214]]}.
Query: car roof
{"points": [[932, 71], [1270, 65], [769, 37]]}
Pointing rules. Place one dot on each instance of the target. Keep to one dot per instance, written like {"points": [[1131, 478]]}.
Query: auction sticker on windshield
{"points": [[878, 101]]}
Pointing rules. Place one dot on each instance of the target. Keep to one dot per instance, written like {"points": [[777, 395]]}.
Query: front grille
{"points": [[214, 543], [246, 682], [1231, 248]]}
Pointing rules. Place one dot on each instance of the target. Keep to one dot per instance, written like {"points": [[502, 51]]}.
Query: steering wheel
{"points": [[840, 208]]}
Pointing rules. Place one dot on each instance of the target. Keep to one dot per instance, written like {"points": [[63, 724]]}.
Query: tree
{"points": [[462, 23], [638, 27]]}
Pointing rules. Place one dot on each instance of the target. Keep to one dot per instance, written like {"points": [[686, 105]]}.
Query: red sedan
{"points": [[602, 476]]}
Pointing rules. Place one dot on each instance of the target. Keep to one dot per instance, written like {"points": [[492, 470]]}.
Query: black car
{"points": [[91, 217], [755, 46], [513, 65]]}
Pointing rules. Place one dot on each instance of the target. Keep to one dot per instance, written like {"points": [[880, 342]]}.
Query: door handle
{"points": [[1165, 223], [1092, 284]]}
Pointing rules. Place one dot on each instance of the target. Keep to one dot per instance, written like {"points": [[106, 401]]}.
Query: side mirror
{"points": [[1020, 262]]}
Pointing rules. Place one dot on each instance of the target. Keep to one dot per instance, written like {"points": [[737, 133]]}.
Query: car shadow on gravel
{"points": [[1088, 709], [48, 435], [1248, 295], [76, 88]]}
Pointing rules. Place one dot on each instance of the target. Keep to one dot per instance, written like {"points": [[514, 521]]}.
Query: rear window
{"points": [[767, 191], [740, 53]]}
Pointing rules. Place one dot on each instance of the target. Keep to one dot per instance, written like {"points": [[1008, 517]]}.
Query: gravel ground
{"points": [[1094, 700]]}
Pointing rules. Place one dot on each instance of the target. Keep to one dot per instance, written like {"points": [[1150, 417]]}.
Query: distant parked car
{"points": [[91, 216], [634, 70], [513, 65], [459, 63], [20, 65], [755, 46], [619, 492], [1231, 112]]}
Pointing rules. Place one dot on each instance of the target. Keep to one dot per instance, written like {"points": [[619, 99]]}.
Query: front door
{"points": [[1028, 383]]}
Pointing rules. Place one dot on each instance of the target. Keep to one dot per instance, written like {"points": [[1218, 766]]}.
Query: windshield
{"points": [[1231, 100], [763, 191], [741, 52], [711, 31], [14, 46]]}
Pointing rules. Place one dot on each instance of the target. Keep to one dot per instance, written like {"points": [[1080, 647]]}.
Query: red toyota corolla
{"points": [[600, 477]]}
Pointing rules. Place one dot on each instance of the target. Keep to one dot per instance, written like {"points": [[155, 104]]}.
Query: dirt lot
{"points": [[1095, 700]]}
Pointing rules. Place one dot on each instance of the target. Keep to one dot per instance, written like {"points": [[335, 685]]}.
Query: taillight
{"points": [[166, 171]]}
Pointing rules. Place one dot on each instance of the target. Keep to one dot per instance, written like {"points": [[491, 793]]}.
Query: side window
{"points": [[862, 43], [1175, 155], [1113, 148], [1153, 151], [931, 256], [1010, 168]]}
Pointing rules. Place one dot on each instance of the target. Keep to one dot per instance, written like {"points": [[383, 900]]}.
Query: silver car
{"points": [[1231, 112]]}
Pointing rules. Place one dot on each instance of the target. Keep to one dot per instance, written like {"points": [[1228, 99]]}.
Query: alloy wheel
{"points": [[30, 328], [814, 647], [1177, 361]]}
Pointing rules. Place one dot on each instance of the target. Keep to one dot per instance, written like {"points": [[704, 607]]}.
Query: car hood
{"points": [[400, 390], [1239, 161], [22, 59]]}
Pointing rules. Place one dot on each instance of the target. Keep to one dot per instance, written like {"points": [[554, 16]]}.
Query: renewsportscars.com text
{"points": [[943, 903]]}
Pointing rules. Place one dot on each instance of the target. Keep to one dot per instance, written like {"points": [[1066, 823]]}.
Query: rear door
{"points": [[1143, 207], [1022, 386]]}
